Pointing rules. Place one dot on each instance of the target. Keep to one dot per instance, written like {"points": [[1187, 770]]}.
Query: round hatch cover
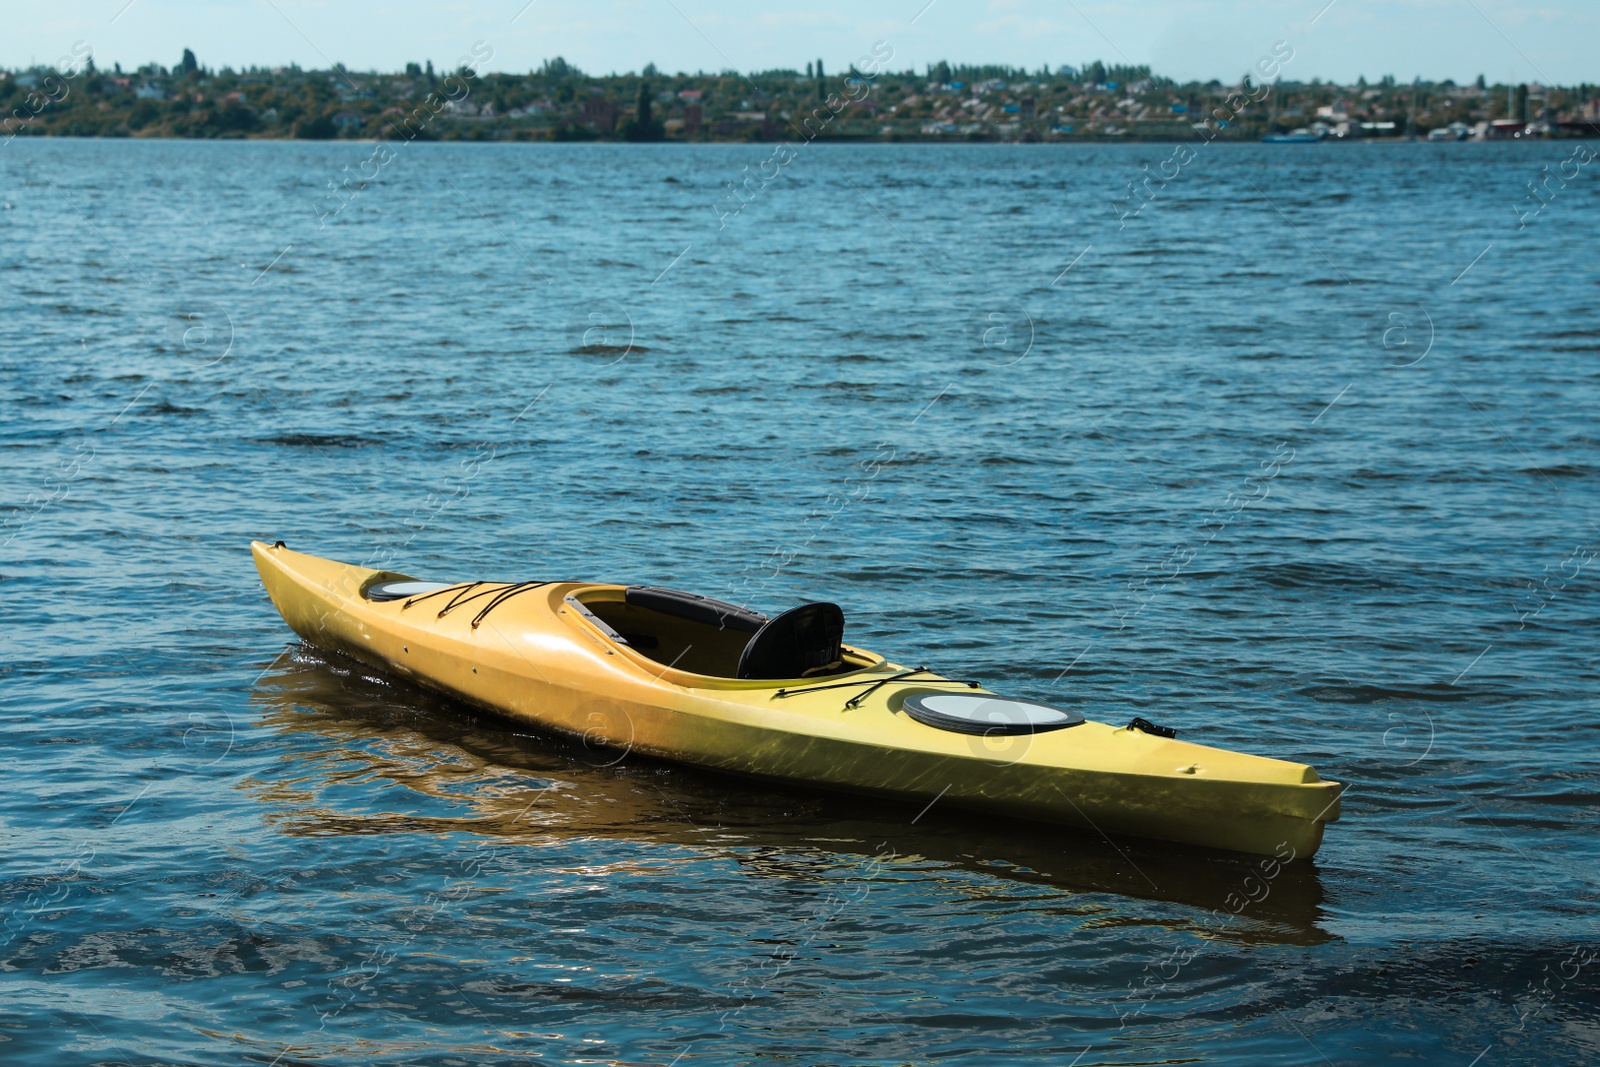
{"points": [[399, 590], [969, 714]]}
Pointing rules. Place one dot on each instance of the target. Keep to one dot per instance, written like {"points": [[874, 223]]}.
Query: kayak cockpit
{"points": [[699, 635]]}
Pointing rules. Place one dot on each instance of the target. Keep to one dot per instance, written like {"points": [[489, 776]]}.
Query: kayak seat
{"points": [[803, 642]]}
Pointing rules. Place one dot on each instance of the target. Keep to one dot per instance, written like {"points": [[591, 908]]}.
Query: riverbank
{"points": [[867, 103]]}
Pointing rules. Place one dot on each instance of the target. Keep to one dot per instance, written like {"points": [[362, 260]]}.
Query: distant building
{"points": [[149, 91], [741, 122], [693, 118], [600, 113]]}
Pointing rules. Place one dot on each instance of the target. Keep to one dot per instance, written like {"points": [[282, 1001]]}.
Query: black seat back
{"points": [[797, 644]]}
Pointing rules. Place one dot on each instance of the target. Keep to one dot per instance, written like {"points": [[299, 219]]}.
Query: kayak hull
{"points": [[539, 659]]}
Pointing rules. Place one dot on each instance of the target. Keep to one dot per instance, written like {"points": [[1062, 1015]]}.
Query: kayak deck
{"points": [[653, 677]]}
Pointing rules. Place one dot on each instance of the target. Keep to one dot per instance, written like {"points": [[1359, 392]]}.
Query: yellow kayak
{"points": [[686, 678]]}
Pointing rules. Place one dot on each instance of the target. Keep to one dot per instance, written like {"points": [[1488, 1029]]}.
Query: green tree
{"points": [[315, 128], [189, 65], [643, 126]]}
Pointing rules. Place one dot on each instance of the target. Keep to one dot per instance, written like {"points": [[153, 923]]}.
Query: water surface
{"points": [[1300, 460]]}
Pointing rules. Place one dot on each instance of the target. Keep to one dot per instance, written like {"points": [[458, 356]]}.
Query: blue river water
{"points": [[1292, 448]]}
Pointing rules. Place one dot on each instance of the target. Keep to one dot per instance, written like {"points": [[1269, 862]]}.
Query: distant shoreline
{"points": [[866, 103], [949, 142]]}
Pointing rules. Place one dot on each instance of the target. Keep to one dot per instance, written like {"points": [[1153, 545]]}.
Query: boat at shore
{"points": [[681, 677], [1292, 137]]}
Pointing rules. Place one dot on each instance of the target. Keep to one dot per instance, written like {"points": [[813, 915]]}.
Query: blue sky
{"points": [[1552, 40]]}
